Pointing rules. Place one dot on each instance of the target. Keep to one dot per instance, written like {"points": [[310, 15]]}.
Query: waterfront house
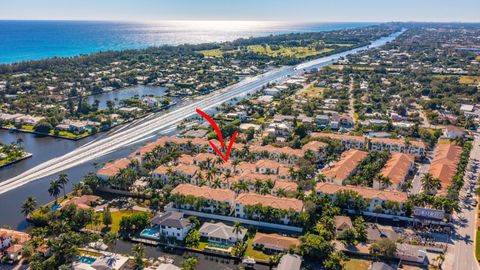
{"points": [[274, 242], [111, 169], [83, 202], [345, 167], [219, 233], [172, 224]]}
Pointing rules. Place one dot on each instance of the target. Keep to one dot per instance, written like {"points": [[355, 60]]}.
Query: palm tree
{"points": [[258, 185], [77, 188], [430, 184], [54, 189], [63, 180], [384, 181], [29, 206], [217, 183], [237, 228], [281, 192]]}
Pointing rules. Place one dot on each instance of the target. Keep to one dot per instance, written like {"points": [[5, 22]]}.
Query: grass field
{"points": [[313, 92], [477, 245], [357, 264], [215, 52], [297, 52], [116, 217], [256, 254], [469, 79]]}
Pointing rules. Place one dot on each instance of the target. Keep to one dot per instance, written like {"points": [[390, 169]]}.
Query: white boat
{"points": [[248, 262]]}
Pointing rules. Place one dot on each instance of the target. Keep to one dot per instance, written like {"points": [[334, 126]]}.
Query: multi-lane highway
{"points": [[162, 121]]}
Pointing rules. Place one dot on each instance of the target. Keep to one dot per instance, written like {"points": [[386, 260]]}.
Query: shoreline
{"points": [[26, 156]]}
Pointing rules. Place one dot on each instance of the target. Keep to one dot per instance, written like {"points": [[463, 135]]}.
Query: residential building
{"points": [[221, 234], [274, 242], [345, 167], [342, 223], [348, 141], [397, 168], [377, 199], [214, 198], [413, 147], [453, 132], [172, 224], [250, 199], [111, 169], [444, 164]]}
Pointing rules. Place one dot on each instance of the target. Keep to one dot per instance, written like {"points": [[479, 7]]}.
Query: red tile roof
{"points": [[269, 200], [369, 193]]}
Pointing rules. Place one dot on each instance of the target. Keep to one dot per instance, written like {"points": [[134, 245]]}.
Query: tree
{"points": [[107, 217], [347, 236], [138, 255], [429, 184], [54, 189], [63, 180], [237, 228], [110, 239], [193, 238], [360, 229], [315, 247], [189, 264], [383, 247], [29, 206], [43, 127]]}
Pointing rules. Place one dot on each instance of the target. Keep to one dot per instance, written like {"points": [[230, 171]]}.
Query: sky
{"points": [[271, 10]]}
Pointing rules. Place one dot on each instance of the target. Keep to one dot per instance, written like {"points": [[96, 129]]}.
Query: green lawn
{"points": [[296, 51], [215, 52], [116, 217], [256, 254], [357, 264]]}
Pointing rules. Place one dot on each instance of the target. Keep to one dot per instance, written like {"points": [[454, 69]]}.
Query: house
{"points": [[416, 148], [221, 234], [348, 141], [83, 202], [316, 148], [322, 119], [172, 224], [274, 92], [274, 242], [380, 266], [289, 187], [290, 262], [453, 132], [376, 199], [266, 166], [342, 223], [281, 154], [397, 168], [444, 164], [14, 253], [251, 199], [111, 169], [345, 167], [214, 198]]}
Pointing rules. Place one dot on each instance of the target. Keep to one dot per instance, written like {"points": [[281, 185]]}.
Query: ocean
{"points": [[33, 40]]}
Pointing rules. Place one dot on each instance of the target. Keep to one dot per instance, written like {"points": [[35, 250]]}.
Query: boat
{"points": [[248, 262]]}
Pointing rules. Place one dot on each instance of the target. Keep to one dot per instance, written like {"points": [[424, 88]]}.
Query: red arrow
{"points": [[220, 137]]}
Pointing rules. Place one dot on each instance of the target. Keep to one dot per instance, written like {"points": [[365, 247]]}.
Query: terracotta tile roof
{"points": [[245, 167], [269, 200], [348, 162], [251, 177], [338, 136], [14, 249], [21, 237], [275, 241], [186, 169], [113, 168], [278, 150], [444, 164], [400, 142], [215, 194], [161, 170], [314, 146], [397, 167], [454, 129], [83, 201], [185, 159], [268, 164], [205, 156], [288, 186], [342, 221], [369, 193]]}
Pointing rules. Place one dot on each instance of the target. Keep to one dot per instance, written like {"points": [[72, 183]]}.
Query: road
{"points": [[461, 254], [158, 122]]}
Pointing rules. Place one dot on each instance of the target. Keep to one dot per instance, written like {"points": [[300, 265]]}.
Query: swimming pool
{"points": [[150, 233], [86, 259], [55, 207]]}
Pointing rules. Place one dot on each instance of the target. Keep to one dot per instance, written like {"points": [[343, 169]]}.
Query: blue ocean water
{"points": [[32, 40]]}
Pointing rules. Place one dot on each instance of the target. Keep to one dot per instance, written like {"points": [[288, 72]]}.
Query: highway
{"points": [[158, 122]]}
